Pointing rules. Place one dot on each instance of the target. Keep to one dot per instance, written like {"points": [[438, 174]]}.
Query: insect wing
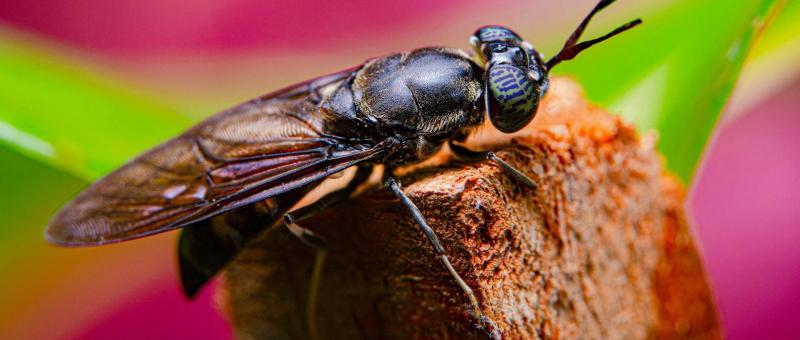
{"points": [[254, 151]]}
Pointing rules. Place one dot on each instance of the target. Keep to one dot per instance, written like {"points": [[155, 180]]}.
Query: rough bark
{"points": [[601, 250]]}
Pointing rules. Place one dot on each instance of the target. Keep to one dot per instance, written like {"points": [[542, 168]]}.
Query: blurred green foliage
{"points": [[64, 114], [782, 33], [673, 74], [64, 123], [31, 194]]}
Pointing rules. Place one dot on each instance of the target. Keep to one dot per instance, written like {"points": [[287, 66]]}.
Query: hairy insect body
{"points": [[423, 97], [238, 173]]}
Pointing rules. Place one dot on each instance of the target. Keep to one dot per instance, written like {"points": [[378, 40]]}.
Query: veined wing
{"points": [[254, 151]]}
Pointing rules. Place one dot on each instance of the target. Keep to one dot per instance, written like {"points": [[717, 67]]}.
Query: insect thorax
{"points": [[425, 96]]}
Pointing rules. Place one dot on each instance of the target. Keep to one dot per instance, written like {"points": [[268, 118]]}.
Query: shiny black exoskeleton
{"points": [[233, 176], [422, 97], [427, 96], [411, 103]]}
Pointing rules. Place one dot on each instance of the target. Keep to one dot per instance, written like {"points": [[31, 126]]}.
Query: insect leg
{"points": [[318, 243], [487, 323], [206, 247], [315, 241], [472, 155]]}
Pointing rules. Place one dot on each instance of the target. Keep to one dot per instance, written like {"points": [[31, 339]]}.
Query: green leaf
{"points": [[772, 64], [674, 74], [32, 193], [62, 113], [782, 33]]}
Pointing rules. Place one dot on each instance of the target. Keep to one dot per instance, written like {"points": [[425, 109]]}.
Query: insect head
{"points": [[516, 74]]}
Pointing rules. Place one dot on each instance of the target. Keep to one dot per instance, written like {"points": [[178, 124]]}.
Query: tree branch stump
{"points": [[601, 250]]}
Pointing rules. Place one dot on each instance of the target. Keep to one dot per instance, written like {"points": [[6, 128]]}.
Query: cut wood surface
{"points": [[601, 250]]}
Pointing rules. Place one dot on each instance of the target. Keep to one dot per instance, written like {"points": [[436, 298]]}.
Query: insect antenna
{"points": [[572, 48]]}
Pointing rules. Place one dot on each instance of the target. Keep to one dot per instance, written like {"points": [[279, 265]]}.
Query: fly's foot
{"points": [[490, 327]]}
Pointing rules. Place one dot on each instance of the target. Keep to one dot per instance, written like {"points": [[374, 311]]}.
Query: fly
{"points": [[258, 159]]}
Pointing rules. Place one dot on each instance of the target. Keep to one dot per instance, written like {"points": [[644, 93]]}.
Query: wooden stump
{"points": [[601, 250]]}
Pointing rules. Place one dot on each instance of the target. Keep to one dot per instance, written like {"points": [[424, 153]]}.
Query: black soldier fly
{"points": [[234, 175]]}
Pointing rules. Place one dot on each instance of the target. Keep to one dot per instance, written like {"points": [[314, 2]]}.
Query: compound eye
{"points": [[521, 57], [512, 97], [488, 34]]}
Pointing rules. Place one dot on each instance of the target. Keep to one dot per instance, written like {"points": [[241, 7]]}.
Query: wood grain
{"points": [[601, 250]]}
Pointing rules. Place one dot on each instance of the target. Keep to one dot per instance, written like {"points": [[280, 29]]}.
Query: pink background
{"points": [[745, 199], [746, 204]]}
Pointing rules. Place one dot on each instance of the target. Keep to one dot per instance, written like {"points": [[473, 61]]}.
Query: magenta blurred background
{"points": [[745, 201], [746, 204]]}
